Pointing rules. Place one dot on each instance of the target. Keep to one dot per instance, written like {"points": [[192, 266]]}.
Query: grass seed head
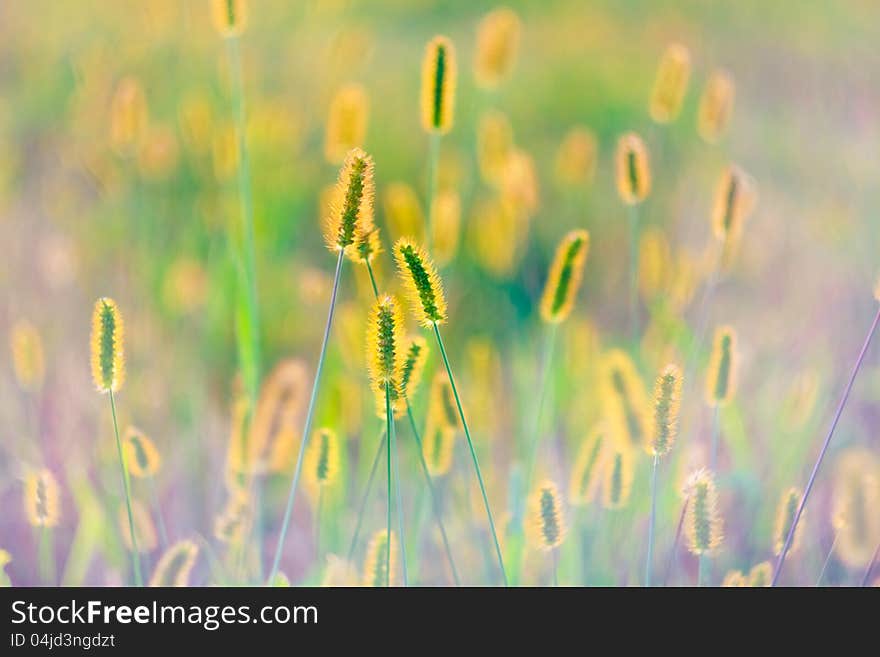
{"points": [[141, 456], [617, 477], [734, 201], [785, 513], [670, 84], [351, 208], [624, 400], [703, 526], [438, 85], [346, 122], [667, 400], [576, 158], [565, 277], [26, 348], [375, 562], [721, 374], [588, 467], [230, 17], [421, 281], [716, 106], [176, 565], [761, 574], [437, 447], [546, 522], [322, 459], [108, 342], [497, 45], [413, 365], [42, 498], [633, 169]]}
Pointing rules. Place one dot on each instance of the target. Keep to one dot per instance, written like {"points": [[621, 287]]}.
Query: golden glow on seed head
{"points": [[734, 578], [230, 17], [346, 122], [438, 86], [785, 512], [703, 526], [141, 456], [716, 106], [576, 157], [586, 476], [42, 498], [413, 369], [735, 199], [565, 277], [385, 341], [667, 400], [438, 442], [855, 500], [375, 561], [351, 207], [546, 522], [322, 459], [274, 429], [421, 282], [670, 84], [761, 574], [722, 371], [624, 400], [176, 565], [442, 406], [497, 45], [108, 340], [232, 525], [633, 169], [656, 266], [617, 477], [28, 361]]}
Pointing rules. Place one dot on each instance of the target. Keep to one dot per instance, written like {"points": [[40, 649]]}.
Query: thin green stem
{"points": [[549, 345], [649, 560], [136, 562], [433, 164], [291, 496], [389, 422], [366, 495], [827, 558], [251, 362], [318, 525], [634, 271], [672, 552], [402, 536], [435, 502], [157, 509], [372, 279], [473, 451], [46, 556], [715, 440]]}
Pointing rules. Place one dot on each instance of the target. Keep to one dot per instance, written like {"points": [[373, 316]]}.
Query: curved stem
{"points": [[363, 505], [473, 451], [649, 560], [797, 516], [136, 562], [291, 496], [827, 559], [372, 279], [549, 344]]}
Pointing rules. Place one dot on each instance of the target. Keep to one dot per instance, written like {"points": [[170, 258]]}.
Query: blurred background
{"points": [[118, 177]]}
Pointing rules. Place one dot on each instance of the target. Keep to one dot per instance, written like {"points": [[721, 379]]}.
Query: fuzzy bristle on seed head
{"points": [[385, 346], [28, 362], [670, 84], [230, 17], [141, 456], [624, 400], [42, 498], [587, 471], [716, 106], [367, 245], [576, 157], [144, 530], [375, 561], [734, 201], [617, 477], [108, 363], [565, 277], [346, 122], [667, 399], [546, 522], [351, 207], [633, 169], [421, 281], [721, 374], [785, 512], [703, 526], [497, 46], [413, 369], [322, 459], [438, 85], [761, 574], [176, 565]]}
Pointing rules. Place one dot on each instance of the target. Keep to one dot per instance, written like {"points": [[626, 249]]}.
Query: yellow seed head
{"points": [[351, 210], [438, 85], [421, 281], [322, 459], [670, 84], [128, 116], [785, 513], [141, 456], [565, 276], [413, 365], [624, 400], [175, 566], [27, 355], [274, 430], [445, 225], [703, 527], [375, 562], [576, 157], [761, 574], [546, 522], [42, 498], [366, 247], [734, 201], [588, 468], [346, 122], [633, 169], [144, 530], [716, 106], [497, 46], [855, 500], [617, 477], [734, 578], [385, 341], [230, 17], [108, 363], [721, 376], [437, 446], [442, 407], [494, 145], [667, 399]]}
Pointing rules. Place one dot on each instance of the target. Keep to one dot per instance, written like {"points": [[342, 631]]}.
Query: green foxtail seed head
{"points": [[721, 376], [322, 459], [374, 564], [855, 500], [785, 513], [175, 565], [437, 444], [734, 200], [585, 477], [421, 281], [617, 477], [565, 277], [413, 365], [442, 406], [670, 84], [385, 352], [624, 399], [351, 207], [703, 527], [546, 523], [667, 399], [141, 455], [42, 498], [734, 578], [716, 106], [438, 85], [230, 17], [633, 169], [108, 363]]}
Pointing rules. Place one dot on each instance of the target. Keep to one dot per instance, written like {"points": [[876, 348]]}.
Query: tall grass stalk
{"points": [[473, 451], [670, 564], [549, 347], [136, 562], [797, 516], [389, 424], [396, 465], [827, 558], [649, 560], [363, 505], [291, 496]]}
